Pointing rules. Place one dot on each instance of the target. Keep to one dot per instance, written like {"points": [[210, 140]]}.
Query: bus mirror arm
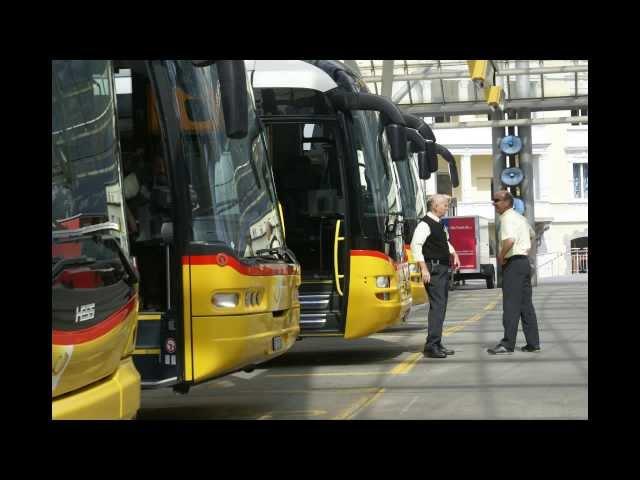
{"points": [[417, 123], [453, 169], [418, 144], [366, 101], [391, 114]]}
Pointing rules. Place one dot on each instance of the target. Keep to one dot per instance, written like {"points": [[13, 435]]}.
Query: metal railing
{"points": [[580, 260], [557, 265]]}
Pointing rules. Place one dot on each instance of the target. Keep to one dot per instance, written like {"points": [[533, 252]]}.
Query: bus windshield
{"points": [[91, 276], [379, 197], [86, 176], [231, 186]]}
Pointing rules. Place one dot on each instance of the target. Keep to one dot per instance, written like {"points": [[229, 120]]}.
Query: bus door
{"points": [[309, 179], [149, 213]]}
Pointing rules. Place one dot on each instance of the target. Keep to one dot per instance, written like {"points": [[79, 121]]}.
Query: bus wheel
{"points": [[181, 388], [490, 275]]}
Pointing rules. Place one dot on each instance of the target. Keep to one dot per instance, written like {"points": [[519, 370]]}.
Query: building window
{"points": [[443, 183], [581, 180], [579, 113]]}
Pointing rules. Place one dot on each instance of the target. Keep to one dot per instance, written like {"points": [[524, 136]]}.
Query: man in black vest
{"points": [[431, 249]]}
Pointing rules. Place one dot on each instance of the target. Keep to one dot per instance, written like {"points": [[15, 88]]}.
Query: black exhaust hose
{"points": [[235, 101], [417, 123], [453, 169], [418, 143]]}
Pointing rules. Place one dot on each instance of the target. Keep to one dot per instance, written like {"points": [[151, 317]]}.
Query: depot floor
{"points": [[386, 376]]}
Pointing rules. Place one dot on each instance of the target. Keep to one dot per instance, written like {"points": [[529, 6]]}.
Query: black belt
{"points": [[438, 261], [516, 256]]}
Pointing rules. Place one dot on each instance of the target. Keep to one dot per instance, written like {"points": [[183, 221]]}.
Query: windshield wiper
{"points": [[80, 232], [282, 251], [65, 263]]}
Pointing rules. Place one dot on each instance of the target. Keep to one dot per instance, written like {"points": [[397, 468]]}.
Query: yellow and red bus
{"points": [[94, 285], [218, 286], [332, 147], [414, 206]]}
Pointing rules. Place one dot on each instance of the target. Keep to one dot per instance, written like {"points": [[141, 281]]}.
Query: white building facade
{"points": [[560, 168]]}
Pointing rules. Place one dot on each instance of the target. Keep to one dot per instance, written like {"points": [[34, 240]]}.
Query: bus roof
{"points": [[289, 74]]}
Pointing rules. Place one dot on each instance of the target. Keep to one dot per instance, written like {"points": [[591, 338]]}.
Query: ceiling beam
{"points": [[387, 78], [451, 74], [521, 122], [475, 108]]}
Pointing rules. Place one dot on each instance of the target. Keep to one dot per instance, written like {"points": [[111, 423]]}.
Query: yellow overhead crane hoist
{"points": [[482, 75]]}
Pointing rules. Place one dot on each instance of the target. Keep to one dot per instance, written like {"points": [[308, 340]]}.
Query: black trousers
{"points": [[438, 290], [517, 303]]}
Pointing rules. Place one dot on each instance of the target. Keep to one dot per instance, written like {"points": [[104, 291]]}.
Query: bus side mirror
{"points": [[397, 136], [423, 166], [432, 156], [235, 99]]}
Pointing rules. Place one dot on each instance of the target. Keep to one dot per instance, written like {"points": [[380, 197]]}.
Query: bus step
{"points": [[315, 301], [309, 321]]}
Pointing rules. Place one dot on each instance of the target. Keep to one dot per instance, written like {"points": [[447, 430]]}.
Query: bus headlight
{"points": [[383, 282], [226, 300]]}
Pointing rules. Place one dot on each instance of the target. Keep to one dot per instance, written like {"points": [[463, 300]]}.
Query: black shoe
{"points": [[434, 352], [446, 350], [500, 350], [530, 349]]}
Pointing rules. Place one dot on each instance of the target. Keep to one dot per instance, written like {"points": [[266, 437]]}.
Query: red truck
{"points": [[469, 235]]}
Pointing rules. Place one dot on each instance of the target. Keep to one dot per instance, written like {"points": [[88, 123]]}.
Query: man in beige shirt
{"points": [[515, 242]]}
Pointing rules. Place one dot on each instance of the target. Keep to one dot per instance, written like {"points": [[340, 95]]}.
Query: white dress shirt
{"points": [[516, 227], [420, 235]]}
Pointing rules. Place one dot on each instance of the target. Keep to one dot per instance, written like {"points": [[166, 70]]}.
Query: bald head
{"points": [[502, 201]]}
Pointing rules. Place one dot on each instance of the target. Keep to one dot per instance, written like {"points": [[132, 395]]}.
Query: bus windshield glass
{"points": [[86, 177], [231, 186], [378, 193], [408, 189]]}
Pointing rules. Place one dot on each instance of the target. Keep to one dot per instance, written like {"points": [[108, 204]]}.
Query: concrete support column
{"points": [[466, 177], [497, 134], [387, 78], [526, 164]]}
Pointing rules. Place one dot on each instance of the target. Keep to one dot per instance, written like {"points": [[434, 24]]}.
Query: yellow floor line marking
{"points": [[491, 306], [404, 367], [360, 405], [292, 413], [331, 391], [328, 374]]}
